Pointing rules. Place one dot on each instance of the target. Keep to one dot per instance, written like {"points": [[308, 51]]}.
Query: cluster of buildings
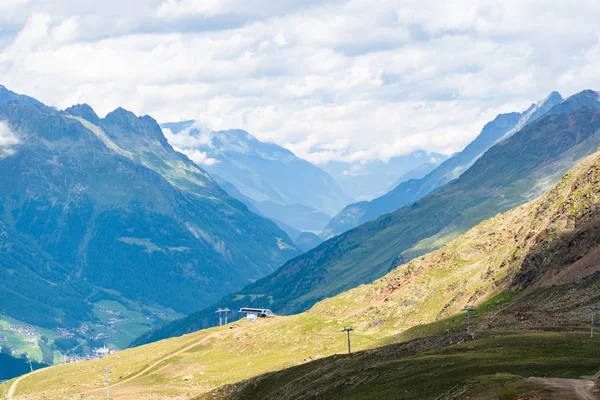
{"points": [[99, 352], [110, 312], [64, 333], [103, 351], [83, 328], [69, 333], [101, 336], [110, 324], [32, 336]]}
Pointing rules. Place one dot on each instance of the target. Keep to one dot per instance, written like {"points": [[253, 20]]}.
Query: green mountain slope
{"points": [[495, 366], [91, 205], [531, 274], [510, 173]]}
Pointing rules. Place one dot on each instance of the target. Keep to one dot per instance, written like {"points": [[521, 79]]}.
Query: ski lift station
{"points": [[253, 313]]}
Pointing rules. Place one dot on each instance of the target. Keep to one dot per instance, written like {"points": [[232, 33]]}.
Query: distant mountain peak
{"points": [[535, 111], [6, 96], [553, 96], [131, 124], [149, 120], [586, 98], [262, 172], [588, 94], [84, 111], [120, 115]]}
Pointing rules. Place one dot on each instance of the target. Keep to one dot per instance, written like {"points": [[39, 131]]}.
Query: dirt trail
{"points": [[14, 385], [576, 389], [154, 364]]}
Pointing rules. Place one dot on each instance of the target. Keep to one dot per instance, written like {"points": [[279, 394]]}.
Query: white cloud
{"points": [[12, 4], [187, 143], [330, 80], [201, 137], [197, 156], [178, 8], [8, 140]]}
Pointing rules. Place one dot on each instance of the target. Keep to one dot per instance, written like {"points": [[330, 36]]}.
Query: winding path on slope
{"points": [[154, 364], [14, 385]]}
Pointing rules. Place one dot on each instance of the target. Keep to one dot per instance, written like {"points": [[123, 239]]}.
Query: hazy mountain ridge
{"points": [[307, 241], [268, 174], [371, 179], [502, 127]]}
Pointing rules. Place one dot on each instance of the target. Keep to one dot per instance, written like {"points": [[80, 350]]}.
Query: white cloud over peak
{"points": [[348, 80], [8, 140], [197, 156], [187, 143]]}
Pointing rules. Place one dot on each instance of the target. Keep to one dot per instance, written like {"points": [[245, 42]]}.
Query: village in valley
{"points": [[110, 332], [13, 337]]}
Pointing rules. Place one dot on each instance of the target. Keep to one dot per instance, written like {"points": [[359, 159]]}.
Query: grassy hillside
{"points": [[529, 270], [542, 332], [497, 364], [511, 173]]}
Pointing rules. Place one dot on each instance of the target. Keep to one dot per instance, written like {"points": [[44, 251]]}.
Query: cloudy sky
{"points": [[330, 80]]}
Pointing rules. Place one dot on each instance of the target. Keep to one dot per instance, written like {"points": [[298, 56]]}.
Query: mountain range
{"points": [[104, 212], [105, 209], [502, 127], [271, 178], [531, 274], [512, 172]]}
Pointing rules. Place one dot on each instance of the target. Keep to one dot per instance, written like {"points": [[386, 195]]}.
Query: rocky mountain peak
{"points": [[84, 111]]}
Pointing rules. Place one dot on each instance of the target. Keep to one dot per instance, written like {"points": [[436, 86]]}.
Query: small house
{"points": [[253, 313]]}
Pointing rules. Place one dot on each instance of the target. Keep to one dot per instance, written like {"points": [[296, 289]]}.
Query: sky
{"points": [[344, 80]]}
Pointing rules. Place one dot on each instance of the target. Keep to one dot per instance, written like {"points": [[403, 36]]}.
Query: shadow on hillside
{"points": [[558, 280], [571, 254]]}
